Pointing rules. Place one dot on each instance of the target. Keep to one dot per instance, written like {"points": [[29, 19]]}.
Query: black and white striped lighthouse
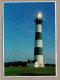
{"points": [[38, 50]]}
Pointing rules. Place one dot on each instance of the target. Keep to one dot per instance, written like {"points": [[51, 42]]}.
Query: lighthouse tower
{"points": [[38, 50]]}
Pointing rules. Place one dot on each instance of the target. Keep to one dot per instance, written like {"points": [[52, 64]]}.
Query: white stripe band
{"points": [[38, 28], [38, 43], [39, 58]]}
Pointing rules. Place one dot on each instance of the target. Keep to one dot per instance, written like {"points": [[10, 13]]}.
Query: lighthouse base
{"points": [[39, 59], [34, 64]]}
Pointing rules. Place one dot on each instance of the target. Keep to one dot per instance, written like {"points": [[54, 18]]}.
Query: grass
{"points": [[29, 71]]}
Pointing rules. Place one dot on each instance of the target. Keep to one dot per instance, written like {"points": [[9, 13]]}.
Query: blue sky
{"points": [[19, 30]]}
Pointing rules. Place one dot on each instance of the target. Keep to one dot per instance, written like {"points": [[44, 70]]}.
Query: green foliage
{"points": [[29, 71]]}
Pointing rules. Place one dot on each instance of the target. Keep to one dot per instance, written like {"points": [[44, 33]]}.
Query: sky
{"points": [[19, 30]]}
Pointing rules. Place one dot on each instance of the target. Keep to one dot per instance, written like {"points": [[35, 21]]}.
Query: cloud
{"points": [[49, 57], [26, 29]]}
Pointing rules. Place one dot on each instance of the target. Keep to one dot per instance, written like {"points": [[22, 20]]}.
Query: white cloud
{"points": [[29, 30]]}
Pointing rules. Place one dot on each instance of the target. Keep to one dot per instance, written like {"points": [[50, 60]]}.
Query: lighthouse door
{"points": [[36, 64]]}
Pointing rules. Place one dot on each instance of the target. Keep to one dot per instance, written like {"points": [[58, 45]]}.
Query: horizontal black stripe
{"points": [[38, 35], [38, 21], [38, 51]]}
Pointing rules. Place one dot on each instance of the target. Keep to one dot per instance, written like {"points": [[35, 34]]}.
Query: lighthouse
{"points": [[38, 50]]}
